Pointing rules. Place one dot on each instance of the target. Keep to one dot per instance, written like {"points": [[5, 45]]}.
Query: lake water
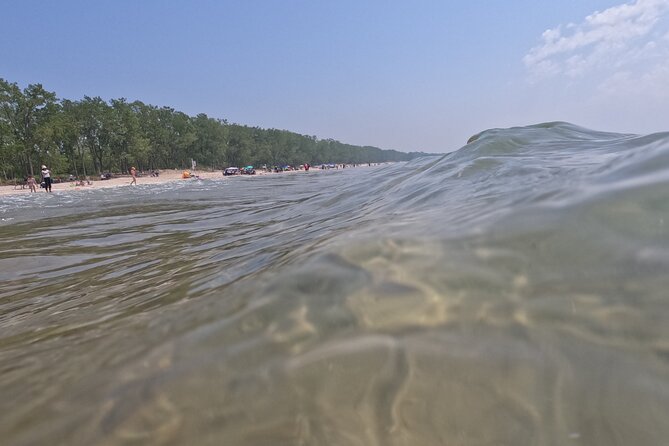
{"points": [[514, 292]]}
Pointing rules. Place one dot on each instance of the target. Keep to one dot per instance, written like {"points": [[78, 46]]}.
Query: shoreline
{"points": [[166, 176]]}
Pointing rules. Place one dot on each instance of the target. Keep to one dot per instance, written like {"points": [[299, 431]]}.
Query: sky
{"points": [[420, 75]]}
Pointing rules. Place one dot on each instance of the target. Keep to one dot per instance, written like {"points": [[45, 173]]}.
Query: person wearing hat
{"points": [[46, 177], [133, 173]]}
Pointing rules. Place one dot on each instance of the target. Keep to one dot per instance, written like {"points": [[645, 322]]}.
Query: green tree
{"points": [[209, 147], [27, 116], [94, 135]]}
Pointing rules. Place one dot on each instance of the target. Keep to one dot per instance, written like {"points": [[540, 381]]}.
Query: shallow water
{"points": [[512, 292]]}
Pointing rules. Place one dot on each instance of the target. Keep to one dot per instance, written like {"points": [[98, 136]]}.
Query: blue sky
{"points": [[420, 75]]}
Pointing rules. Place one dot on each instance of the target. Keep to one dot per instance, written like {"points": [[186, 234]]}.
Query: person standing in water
{"points": [[133, 173], [46, 176]]}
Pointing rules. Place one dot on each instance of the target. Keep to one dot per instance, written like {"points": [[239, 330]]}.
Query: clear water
{"points": [[513, 292]]}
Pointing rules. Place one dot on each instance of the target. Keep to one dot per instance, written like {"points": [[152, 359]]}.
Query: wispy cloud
{"points": [[623, 42]]}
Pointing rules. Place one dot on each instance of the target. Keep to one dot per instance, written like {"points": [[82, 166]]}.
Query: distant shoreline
{"points": [[166, 176]]}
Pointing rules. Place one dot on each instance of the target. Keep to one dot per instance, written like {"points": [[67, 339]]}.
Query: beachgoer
{"points": [[133, 172], [46, 176], [32, 184]]}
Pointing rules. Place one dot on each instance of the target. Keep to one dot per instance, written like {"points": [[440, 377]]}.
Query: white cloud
{"points": [[650, 86], [610, 40], [610, 70]]}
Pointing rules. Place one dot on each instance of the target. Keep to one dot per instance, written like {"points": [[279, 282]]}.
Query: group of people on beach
{"points": [[134, 174], [46, 181]]}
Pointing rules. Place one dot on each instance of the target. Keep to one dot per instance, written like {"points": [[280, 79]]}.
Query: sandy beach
{"points": [[165, 177]]}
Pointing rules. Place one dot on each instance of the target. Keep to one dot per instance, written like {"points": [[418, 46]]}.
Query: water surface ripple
{"points": [[511, 292]]}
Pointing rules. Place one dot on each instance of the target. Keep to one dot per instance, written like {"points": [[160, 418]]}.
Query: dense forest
{"points": [[90, 136]]}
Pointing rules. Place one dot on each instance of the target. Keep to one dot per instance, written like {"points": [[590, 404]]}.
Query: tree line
{"points": [[92, 136]]}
